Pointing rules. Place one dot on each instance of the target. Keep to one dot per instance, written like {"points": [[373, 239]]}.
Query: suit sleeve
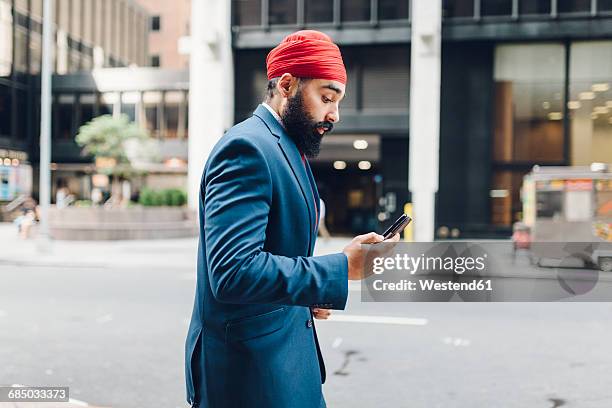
{"points": [[237, 196]]}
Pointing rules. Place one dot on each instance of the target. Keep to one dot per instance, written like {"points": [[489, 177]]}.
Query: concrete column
{"points": [[425, 113], [211, 90]]}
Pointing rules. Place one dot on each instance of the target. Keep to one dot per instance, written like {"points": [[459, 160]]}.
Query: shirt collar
{"points": [[273, 112]]}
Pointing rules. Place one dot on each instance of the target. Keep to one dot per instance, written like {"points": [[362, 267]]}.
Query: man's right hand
{"points": [[356, 254]]}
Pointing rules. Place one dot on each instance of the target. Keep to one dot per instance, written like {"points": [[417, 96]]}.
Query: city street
{"points": [[115, 336]]}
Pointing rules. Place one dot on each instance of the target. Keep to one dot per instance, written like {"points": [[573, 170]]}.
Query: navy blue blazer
{"points": [[252, 341]]}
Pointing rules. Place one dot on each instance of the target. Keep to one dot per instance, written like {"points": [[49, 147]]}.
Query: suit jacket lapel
{"points": [[292, 155]]}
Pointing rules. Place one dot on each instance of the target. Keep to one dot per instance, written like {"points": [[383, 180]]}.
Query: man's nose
{"points": [[333, 116]]}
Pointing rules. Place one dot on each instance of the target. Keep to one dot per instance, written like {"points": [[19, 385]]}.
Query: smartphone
{"points": [[398, 226]]}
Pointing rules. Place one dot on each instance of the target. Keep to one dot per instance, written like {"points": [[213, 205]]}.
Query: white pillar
{"points": [[44, 189], [211, 89], [425, 113]]}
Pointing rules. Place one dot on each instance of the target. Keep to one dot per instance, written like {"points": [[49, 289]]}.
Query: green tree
{"points": [[106, 136]]}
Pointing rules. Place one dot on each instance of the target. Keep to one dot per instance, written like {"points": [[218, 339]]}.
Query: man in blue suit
{"points": [[252, 340]]}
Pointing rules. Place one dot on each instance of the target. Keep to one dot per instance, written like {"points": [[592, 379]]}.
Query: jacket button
{"points": [[309, 323]]}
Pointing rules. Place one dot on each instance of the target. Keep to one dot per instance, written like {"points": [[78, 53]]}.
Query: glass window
{"points": [[604, 5], [6, 38], [5, 111], [107, 103], [129, 102], [496, 7], [534, 7], [355, 10], [528, 111], [22, 115], [458, 8], [527, 119], [172, 101], [155, 61], [319, 11], [66, 116], [574, 6], [151, 101], [283, 12], [86, 108], [35, 52], [155, 23], [590, 102], [21, 46], [392, 10], [247, 12]]}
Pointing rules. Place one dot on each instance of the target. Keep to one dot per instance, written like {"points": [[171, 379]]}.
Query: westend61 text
{"points": [[431, 284]]}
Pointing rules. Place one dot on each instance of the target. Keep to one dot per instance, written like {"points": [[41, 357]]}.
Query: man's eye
{"points": [[326, 99]]}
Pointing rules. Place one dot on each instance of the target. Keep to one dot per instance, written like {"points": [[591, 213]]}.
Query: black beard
{"points": [[301, 128]]}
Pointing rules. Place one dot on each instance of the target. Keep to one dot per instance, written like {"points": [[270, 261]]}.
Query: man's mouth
{"points": [[325, 127]]}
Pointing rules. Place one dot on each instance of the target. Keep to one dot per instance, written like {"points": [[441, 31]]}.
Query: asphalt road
{"points": [[115, 337]]}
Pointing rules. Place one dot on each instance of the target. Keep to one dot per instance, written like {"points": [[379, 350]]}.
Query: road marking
{"points": [[456, 341], [408, 321], [104, 319], [337, 342]]}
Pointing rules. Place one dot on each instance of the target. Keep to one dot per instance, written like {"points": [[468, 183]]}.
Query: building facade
{"points": [[524, 83], [169, 28], [88, 34]]}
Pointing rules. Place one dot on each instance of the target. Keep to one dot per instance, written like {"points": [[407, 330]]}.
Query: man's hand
{"points": [[322, 314], [356, 254]]}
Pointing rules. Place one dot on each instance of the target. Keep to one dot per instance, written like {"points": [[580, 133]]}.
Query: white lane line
{"points": [[337, 342], [408, 321], [104, 319]]}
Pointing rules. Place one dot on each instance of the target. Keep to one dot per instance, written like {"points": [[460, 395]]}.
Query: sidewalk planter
{"points": [[98, 223]]}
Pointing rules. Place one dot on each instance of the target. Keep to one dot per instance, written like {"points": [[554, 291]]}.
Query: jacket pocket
{"points": [[192, 345], [255, 326]]}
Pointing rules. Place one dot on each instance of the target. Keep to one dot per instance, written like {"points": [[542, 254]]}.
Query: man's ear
{"points": [[286, 85]]}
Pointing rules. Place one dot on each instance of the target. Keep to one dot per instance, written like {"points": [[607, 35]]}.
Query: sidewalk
{"points": [[170, 253]]}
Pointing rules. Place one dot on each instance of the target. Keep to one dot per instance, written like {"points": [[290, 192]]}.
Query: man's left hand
{"points": [[321, 314]]}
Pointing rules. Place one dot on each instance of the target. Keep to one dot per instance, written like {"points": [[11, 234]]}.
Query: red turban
{"points": [[307, 54]]}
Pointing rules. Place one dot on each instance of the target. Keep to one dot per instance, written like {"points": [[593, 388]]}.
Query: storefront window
{"points": [[604, 5], [534, 7], [527, 119], [22, 115], [590, 102], [355, 10], [151, 101], [392, 10], [574, 6], [66, 116], [5, 111], [319, 11], [283, 12], [86, 108], [247, 12], [129, 102], [107, 103], [496, 7], [172, 102], [458, 8]]}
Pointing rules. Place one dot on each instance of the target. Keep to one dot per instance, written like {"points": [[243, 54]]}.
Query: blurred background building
{"points": [[524, 82], [169, 28]]}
